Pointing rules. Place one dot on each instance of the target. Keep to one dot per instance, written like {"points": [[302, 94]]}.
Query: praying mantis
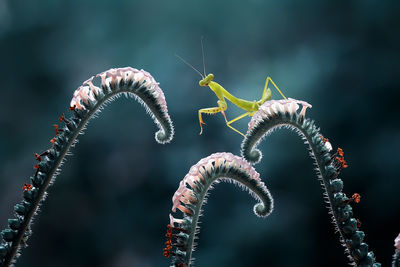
{"points": [[251, 107]]}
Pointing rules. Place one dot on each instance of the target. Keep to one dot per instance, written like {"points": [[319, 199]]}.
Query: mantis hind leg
{"points": [[228, 123], [266, 86]]}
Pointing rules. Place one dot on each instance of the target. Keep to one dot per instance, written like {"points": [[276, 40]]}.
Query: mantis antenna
{"points": [[184, 61], [202, 53]]}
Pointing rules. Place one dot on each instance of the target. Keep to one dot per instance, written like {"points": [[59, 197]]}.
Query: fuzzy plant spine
{"points": [[87, 101], [276, 114], [396, 256], [396, 259], [192, 193]]}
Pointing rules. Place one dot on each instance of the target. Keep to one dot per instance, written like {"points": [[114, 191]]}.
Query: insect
{"points": [[251, 107]]}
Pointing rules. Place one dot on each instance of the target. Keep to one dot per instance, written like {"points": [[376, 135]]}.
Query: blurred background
{"points": [[110, 205]]}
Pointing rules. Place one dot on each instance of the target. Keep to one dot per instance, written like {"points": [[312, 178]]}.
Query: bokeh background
{"points": [[110, 205]]}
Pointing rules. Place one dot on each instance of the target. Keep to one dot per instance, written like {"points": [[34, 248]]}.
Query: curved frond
{"points": [[283, 113], [192, 194], [88, 99]]}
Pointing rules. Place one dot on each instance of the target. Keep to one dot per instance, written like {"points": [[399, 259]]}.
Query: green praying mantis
{"points": [[251, 107]]}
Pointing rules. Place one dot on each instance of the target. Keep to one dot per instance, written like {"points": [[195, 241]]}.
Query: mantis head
{"points": [[205, 81]]}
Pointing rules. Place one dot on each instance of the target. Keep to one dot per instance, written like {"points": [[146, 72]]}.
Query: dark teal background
{"points": [[110, 205]]}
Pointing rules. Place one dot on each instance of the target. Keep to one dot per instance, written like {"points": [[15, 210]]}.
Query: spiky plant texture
{"points": [[192, 194], [396, 256], [87, 101], [396, 259], [283, 113]]}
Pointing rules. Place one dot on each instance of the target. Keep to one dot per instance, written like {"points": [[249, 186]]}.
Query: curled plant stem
{"points": [[396, 259], [87, 101], [191, 195], [396, 256], [283, 113]]}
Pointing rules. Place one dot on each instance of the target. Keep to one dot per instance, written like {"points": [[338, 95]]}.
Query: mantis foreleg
{"points": [[221, 108]]}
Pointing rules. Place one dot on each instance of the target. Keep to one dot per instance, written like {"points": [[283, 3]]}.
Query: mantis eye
{"points": [[206, 80]]}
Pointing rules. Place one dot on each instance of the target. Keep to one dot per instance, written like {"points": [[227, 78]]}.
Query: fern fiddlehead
{"points": [[88, 99], [192, 192], [283, 113]]}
